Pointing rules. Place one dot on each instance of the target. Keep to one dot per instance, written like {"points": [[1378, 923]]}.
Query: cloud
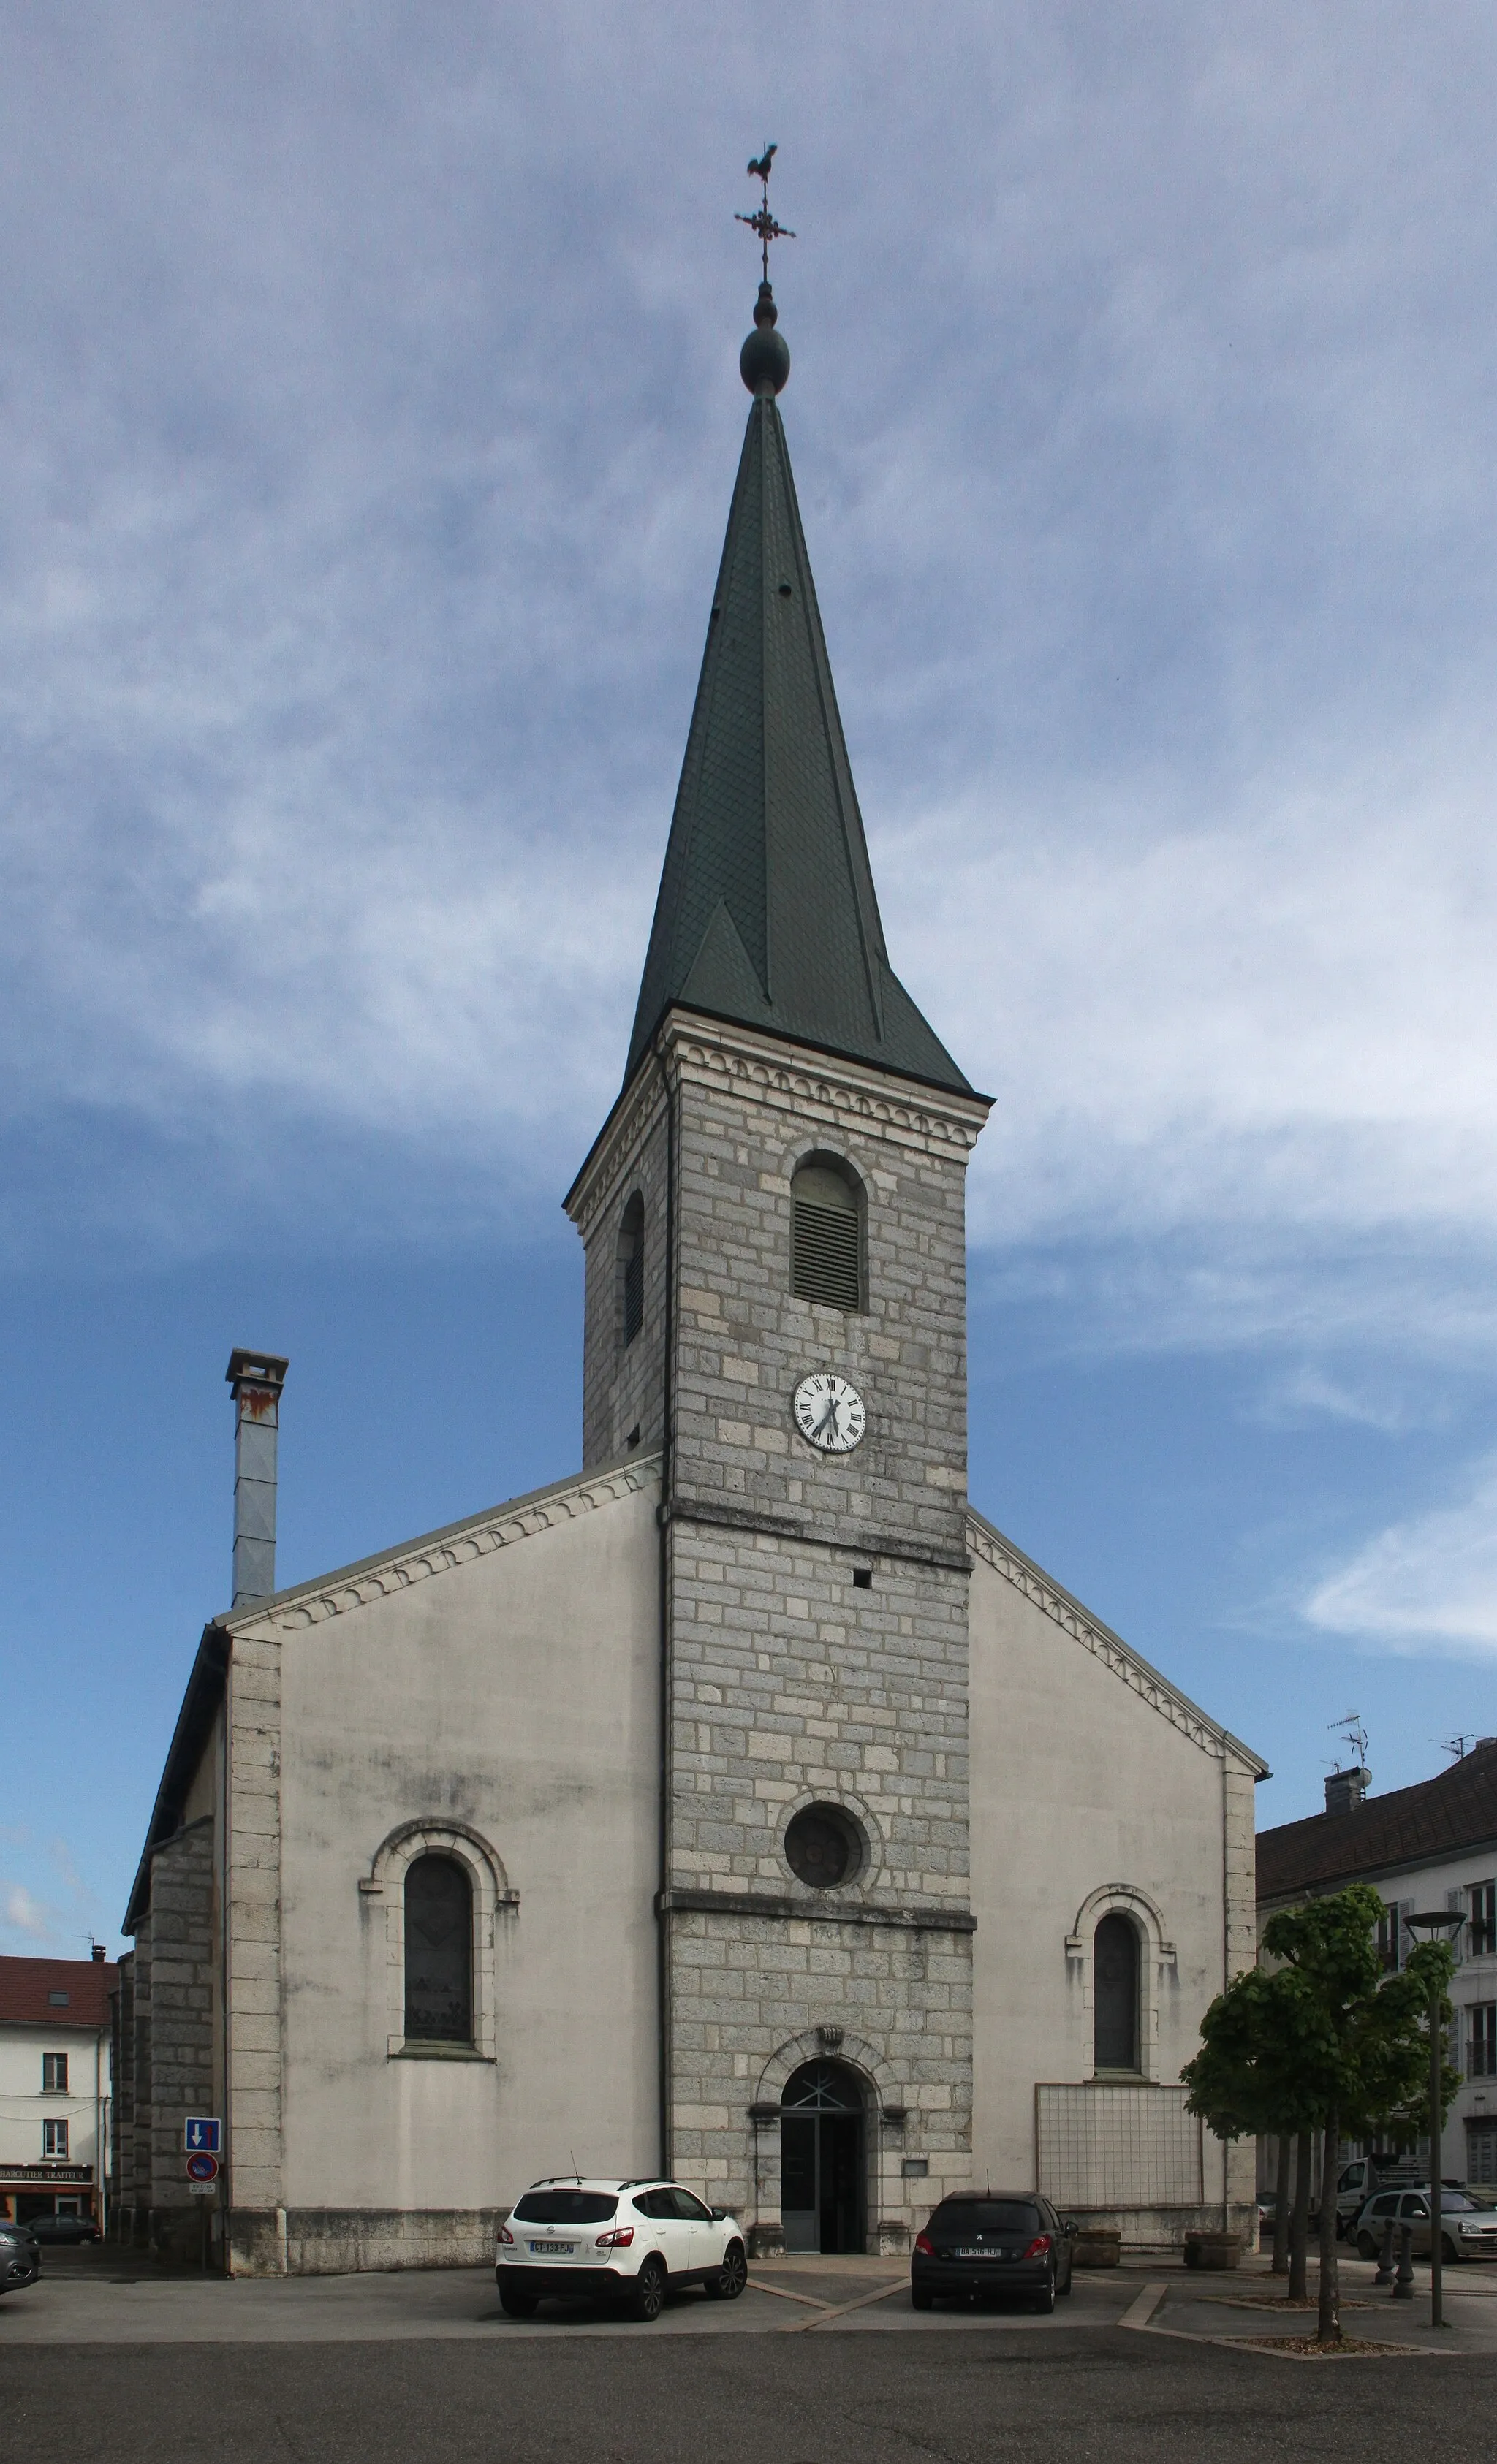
{"points": [[26, 1915], [369, 421], [1426, 1585]]}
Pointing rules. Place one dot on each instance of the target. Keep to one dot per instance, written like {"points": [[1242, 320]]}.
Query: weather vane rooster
{"points": [[763, 222]]}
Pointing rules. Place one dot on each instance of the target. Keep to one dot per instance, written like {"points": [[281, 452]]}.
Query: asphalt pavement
{"points": [[1095, 2396], [823, 2361]]}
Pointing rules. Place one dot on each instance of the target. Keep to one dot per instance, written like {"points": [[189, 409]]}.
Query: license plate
{"points": [[979, 2254], [553, 2249]]}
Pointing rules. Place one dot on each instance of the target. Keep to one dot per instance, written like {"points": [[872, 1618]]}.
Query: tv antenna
{"points": [[1455, 1747], [1349, 1727]]}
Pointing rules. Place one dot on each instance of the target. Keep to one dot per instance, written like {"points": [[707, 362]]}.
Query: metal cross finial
{"points": [[763, 222]]}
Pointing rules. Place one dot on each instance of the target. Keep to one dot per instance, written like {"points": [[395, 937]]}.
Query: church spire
{"points": [[766, 913]]}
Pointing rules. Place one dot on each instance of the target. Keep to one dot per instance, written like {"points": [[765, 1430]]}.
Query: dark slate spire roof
{"points": [[766, 913]]}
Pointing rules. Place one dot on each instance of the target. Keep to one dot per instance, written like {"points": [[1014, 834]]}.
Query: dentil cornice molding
{"points": [[793, 1078], [377, 1578]]}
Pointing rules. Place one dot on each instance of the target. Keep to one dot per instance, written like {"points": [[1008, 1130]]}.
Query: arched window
{"points": [[438, 1951], [631, 1270], [827, 1235], [1116, 1993]]}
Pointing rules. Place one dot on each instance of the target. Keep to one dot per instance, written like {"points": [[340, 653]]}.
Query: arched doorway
{"points": [[822, 2160]]}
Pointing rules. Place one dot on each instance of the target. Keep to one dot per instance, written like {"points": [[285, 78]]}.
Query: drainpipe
{"points": [[667, 1460]]}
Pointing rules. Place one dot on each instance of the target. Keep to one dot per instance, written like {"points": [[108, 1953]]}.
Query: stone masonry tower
{"points": [[774, 1220]]}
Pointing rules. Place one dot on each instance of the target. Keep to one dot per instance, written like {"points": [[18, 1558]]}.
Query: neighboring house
{"points": [[1430, 1846], [745, 1804], [55, 2086]]}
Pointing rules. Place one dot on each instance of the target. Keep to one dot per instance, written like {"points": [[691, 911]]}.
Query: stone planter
{"points": [[1207, 2249], [1097, 2245]]}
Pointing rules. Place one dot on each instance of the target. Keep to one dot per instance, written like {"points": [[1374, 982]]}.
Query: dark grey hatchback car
{"points": [[21, 2259], [993, 2242]]}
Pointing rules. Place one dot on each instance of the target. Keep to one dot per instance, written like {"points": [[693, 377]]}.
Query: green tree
{"points": [[1325, 2041], [1249, 2080]]}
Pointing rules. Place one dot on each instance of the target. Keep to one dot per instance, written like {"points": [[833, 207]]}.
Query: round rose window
{"points": [[823, 1847]]}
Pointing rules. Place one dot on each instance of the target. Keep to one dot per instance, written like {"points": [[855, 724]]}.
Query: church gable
{"points": [[990, 1549]]}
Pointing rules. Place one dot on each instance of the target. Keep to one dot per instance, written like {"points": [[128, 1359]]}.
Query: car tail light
{"points": [[505, 2234], [619, 2239], [925, 2246], [1040, 2246]]}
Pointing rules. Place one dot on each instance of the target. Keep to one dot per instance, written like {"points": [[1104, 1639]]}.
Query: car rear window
{"points": [[553, 2206], [988, 2215]]}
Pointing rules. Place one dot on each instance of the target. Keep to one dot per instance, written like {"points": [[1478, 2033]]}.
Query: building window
{"points": [[631, 1270], [1481, 2051], [1481, 2151], [823, 1847], [54, 2074], [1116, 2013], [1388, 1939], [438, 1953], [827, 1235], [55, 2139], [57, 2001], [1482, 1913]]}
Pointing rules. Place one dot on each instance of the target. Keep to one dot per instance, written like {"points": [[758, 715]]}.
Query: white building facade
{"points": [[1432, 1846], [54, 2087], [746, 1806]]}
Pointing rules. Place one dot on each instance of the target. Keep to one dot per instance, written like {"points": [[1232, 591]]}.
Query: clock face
{"points": [[829, 1413]]}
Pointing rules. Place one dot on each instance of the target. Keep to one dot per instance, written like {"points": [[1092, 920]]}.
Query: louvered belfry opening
{"points": [[826, 1237], [632, 1269]]}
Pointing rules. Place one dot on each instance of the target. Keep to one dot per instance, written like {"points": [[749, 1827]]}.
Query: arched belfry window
{"points": [[827, 1235], [1116, 1993], [631, 1270], [439, 1934]]}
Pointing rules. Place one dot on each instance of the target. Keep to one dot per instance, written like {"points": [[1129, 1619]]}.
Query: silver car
{"points": [[1468, 2231]]}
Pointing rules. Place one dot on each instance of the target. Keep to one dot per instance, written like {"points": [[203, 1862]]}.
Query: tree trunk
{"points": [[1299, 2221], [1329, 2328], [1281, 2209]]}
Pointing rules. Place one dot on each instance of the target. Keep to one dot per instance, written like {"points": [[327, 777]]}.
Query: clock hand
{"points": [[830, 1413]]}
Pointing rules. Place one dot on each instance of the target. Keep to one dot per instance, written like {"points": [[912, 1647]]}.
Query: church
{"points": [[746, 1807]]}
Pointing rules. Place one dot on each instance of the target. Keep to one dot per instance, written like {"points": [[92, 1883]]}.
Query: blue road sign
{"points": [[202, 2134]]}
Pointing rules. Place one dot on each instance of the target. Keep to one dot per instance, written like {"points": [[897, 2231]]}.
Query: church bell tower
{"points": [[775, 1307]]}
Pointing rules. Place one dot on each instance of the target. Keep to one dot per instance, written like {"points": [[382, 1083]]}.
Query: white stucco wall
{"points": [[25, 2104], [518, 1694], [1435, 1883], [1079, 1783]]}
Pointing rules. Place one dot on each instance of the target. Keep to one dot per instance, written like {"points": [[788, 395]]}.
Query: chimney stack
{"points": [[1347, 1790], [256, 1378]]}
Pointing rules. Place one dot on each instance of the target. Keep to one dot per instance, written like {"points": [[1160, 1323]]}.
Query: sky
{"points": [[368, 413]]}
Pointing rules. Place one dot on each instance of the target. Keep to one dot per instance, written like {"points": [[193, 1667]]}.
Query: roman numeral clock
{"points": [[830, 1412]]}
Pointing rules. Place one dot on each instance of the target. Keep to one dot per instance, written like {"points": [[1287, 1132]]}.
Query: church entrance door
{"points": [[821, 2162]]}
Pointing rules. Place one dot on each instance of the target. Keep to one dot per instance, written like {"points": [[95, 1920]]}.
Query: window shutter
{"points": [[1407, 1941], [1455, 1901], [825, 1268]]}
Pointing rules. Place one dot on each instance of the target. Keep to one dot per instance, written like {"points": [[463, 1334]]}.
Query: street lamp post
{"points": [[1435, 1923]]}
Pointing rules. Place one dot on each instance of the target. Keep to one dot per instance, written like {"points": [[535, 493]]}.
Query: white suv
{"points": [[580, 2240]]}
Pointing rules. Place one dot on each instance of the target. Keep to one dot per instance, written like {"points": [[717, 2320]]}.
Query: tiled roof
{"points": [[1455, 1811], [29, 1988], [766, 913]]}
